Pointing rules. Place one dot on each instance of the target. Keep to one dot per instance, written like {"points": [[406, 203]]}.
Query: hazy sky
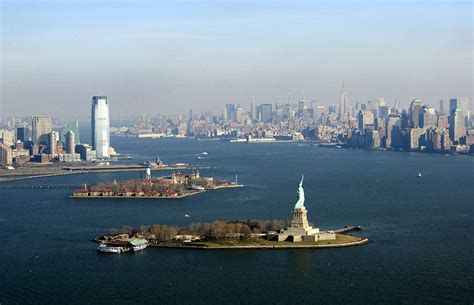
{"points": [[169, 56]]}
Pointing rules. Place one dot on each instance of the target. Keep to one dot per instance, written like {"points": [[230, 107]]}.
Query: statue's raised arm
{"points": [[300, 195]]}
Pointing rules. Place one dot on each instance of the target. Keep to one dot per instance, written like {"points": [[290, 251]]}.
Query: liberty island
{"points": [[238, 235]]}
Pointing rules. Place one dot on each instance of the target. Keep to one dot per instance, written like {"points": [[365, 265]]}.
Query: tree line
{"points": [[233, 229]]}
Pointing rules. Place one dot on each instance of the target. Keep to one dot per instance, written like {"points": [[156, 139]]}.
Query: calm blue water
{"points": [[421, 228]]}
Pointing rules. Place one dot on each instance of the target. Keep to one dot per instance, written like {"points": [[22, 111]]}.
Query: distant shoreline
{"points": [[34, 172]]}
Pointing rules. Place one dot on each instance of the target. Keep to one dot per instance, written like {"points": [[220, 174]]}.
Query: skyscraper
{"points": [[41, 128], [461, 104], [427, 117], [267, 113], [457, 127], [343, 105], [230, 108], [53, 143], [22, 134], [100, 126], [415, 108], [393, 136], [70, 142], [365, 119]]}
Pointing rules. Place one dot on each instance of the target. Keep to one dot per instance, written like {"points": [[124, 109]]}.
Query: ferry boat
{"points": [[109, 249]]}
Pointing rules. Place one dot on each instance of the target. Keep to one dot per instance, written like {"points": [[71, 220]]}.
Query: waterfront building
{"points": [[70, 142], [41, 128], [364, 119], [427, 117], [437, 139], [299, 229], [457, 127], [267, 113], [415, 109], [393, 131], [86, 152], [417, 138], [372, 139], [6, 155], [100, 126]]}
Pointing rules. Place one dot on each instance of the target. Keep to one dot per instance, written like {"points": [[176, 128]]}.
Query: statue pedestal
{"points": [[299, 224]]}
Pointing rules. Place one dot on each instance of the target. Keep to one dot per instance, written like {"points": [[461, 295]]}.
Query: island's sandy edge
{"points": [[360, 242]]}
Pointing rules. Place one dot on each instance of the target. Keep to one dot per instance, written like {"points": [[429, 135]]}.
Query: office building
{"points": [[417, 138], [41, 128], [6, 155], [415, 110], [22, 134], [457, 127], [53, 144], [365, 119], [267, 113], [460, 104], [427, 117], [100, 126], [392, 131], [70, 142]]}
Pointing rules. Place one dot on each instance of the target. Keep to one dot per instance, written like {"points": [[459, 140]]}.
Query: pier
{"points": [[40, 186]]}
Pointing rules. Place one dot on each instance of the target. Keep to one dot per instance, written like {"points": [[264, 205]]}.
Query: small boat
{"points": [[109, 249], [419, 175], [204, 153]]}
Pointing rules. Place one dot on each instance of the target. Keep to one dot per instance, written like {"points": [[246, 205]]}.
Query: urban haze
{"points": [[236, 152]]}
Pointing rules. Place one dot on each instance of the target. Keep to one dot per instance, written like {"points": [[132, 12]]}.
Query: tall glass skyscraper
{"points": [[100, 126]]}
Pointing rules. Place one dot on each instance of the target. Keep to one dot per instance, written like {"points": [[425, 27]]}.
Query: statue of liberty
{"points": [[300, 195]]}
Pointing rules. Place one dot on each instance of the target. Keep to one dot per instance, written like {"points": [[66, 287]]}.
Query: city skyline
{"points": [[168, 57]]}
